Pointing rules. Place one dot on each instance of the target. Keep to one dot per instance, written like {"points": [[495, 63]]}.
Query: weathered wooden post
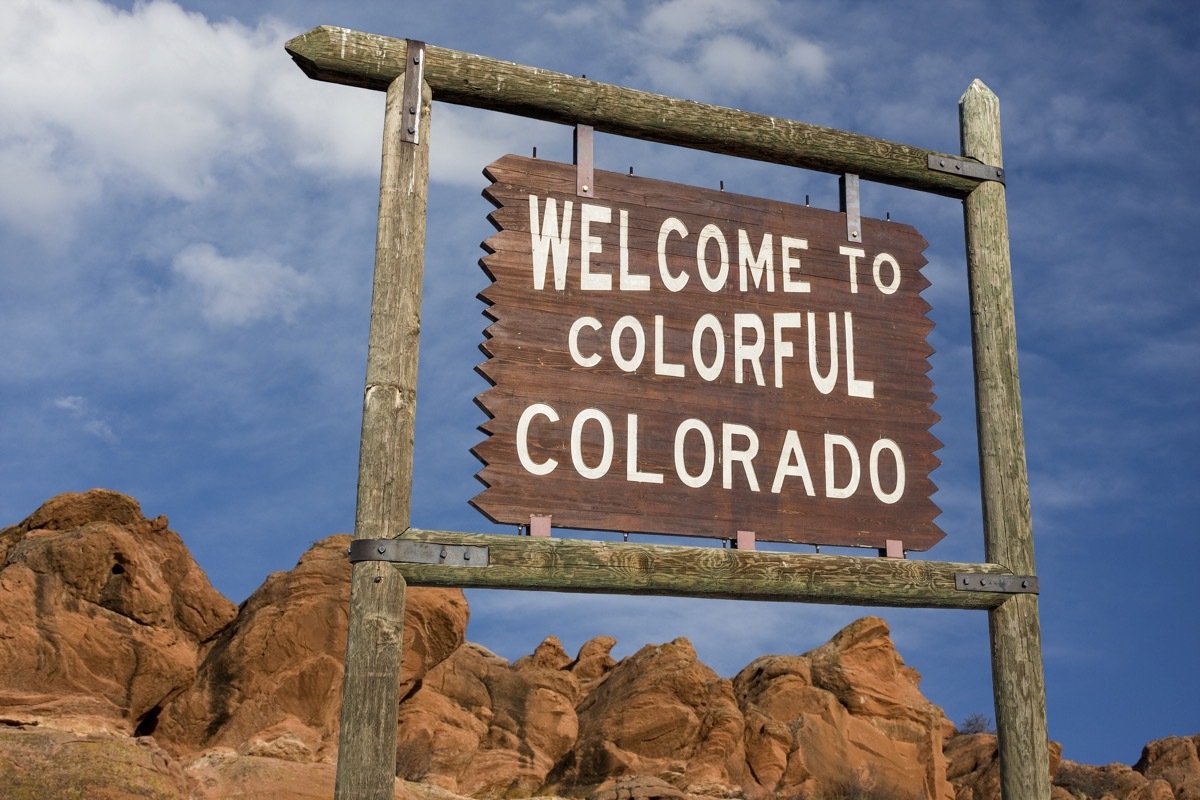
{"points": [[366, 767], [1017, 678]]}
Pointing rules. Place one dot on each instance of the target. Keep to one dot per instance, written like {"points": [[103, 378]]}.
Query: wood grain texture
{"points": [[1017, 674], [630, 568], [530, 363], [370, 696], [353, 58]]}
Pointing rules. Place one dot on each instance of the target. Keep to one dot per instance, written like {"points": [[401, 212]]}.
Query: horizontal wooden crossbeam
{"points": [[576, 565], [344, 56]]}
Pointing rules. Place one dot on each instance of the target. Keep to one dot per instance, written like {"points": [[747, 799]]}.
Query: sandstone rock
{"points": [[481, 727], [42, 763], [849, 712], [659, 713], [638, 789], [1175, 761], [272, 682], [1113, 780], [973, 766], [103, 614]]}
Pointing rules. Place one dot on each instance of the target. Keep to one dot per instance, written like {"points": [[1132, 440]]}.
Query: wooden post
{"points": [[366, 768], [1017, 678]]}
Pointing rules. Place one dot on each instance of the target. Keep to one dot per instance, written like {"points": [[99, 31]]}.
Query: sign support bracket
{"points": [[851, 207]]}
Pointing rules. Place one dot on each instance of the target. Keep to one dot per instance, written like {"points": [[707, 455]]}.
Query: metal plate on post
{"points": [[1006, 584], [407, 551], [962, 166], [414, 74]]}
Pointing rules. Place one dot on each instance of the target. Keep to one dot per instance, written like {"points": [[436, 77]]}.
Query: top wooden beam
{"points": [[340, 55]]}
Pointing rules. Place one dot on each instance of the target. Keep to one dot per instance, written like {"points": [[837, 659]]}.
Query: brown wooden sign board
{"points": [[676, 360]]}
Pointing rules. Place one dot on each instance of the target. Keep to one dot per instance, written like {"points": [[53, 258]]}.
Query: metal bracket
{"points": [[409, 551], [744, 541], [963, 166], [414, 74], [1007, 584], [584, 162], [539, 525], [894, 549], [848, 189]]}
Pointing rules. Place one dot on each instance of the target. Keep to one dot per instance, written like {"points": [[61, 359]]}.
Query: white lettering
{"points": [[730, 455], [880, 260], [629, 283], [632, 473], [783, 348], [791, 262], [639, 343], [854, 386], [670, 225], [833, 440], [787, 466], [606, 457], [537, 409], [854, 253], [709, 233], [824, 383], [573, 341], [551, 238], [589, 281], [743, 352], [897, 492], [708, 322], [756, 266], [685, 477], [661, 366]]}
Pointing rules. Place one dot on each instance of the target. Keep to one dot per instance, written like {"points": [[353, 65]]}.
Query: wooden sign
{"points": [[668, 359]]}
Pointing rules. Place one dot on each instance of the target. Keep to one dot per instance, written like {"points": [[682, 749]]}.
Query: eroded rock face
{"points": [[849, 712], [271, 683], [103, 615], [658, 713], [1174, 760]]}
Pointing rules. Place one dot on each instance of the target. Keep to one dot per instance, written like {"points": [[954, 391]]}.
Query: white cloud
{"points": [[155, 99], [241, 290], [708, 49], [79, 409]]}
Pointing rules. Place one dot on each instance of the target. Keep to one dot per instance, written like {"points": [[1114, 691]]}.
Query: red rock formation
{"points": [[103, 614], [271, 684], [849, 711], [108, 628]]}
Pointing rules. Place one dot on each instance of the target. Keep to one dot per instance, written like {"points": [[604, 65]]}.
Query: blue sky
{"points": [[186, 248]]}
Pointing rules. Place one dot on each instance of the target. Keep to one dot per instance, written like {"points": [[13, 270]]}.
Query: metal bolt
{"points": [[378, 578], [412, 109], [854, 234], [467, 555], [412, 129], [942, 163], [416, 59], [585, 188], [966, 581], [442, 554], [381, 549], [1024, 584]]}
